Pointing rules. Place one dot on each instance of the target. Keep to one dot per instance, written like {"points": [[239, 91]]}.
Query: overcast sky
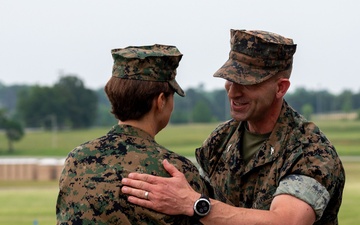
{"points": [[41, 39]]}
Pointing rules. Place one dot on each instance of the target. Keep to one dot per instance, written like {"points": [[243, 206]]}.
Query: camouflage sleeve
{"points": [[212, 148], [307, 189]]}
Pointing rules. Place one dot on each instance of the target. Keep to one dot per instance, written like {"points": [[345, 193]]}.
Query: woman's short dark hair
{"points": [[132, 99]]}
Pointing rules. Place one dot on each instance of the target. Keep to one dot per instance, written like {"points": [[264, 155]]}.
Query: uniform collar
{"points": [[130, 131]]}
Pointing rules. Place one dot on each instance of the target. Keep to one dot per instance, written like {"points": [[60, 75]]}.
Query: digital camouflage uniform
{"points": [[296, 159], [90, 184], [295, 146]]}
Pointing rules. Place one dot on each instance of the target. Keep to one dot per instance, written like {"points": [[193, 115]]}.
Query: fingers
{"points": [[136, 184], [171, 169], [138, 193], [155, 202], [167, 195], [141, 202], [143, 177], [139, 187], [139, 197], [150, 179]]}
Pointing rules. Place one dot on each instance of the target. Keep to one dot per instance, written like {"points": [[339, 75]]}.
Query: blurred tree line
{"points": [[14, 130], [68, 104]]}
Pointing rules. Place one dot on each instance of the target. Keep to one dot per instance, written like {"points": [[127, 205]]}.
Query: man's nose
{"points": [[235, 90]]}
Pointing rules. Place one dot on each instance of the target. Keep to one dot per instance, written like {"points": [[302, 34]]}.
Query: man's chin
{"points": [[238, 117]]}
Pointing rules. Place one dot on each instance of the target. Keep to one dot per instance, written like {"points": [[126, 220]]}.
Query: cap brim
{"points": [[244, 74], [177, 87]]}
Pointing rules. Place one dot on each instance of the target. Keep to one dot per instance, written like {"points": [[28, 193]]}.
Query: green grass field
{"points": [[25, 203]]}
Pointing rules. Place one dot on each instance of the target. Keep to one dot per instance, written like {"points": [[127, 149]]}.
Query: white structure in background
{"points": [[31, 168]]}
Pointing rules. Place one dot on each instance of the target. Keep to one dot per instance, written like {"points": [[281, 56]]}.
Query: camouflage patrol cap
{"points": [[148, 63], [255, 56]]}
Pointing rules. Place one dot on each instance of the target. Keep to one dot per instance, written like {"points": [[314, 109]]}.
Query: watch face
{"points": [[202, 207]]}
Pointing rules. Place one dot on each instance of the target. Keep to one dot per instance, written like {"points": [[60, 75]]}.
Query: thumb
{"points": [[171, 169]]}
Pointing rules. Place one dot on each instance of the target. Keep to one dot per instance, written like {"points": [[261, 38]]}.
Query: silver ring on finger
{"points": [[146, 195]]}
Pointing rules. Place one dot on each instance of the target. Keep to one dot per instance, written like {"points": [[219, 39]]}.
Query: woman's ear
{"points": [[160, 101]]}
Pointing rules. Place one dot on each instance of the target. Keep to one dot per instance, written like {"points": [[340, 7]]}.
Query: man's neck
{"points": [[265, 125]]}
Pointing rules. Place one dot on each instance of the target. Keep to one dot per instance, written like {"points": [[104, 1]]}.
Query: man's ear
{"points": [[283, 86]]}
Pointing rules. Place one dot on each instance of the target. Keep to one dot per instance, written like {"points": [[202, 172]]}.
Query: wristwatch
{"points": [[202, 207]]}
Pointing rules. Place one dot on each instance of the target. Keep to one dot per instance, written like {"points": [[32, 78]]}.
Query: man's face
{"points": [[252, 103]]}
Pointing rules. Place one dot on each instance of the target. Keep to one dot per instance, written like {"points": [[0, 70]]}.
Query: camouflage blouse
{"points": [[295, 147], [90, 184]]}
